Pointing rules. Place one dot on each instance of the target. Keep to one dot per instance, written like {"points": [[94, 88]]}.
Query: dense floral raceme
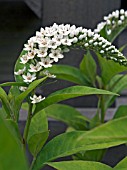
{"points": [[115, 19], [50, 43]]}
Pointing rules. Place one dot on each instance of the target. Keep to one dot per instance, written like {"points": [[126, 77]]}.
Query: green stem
{"points": [[102, 107], [32, 164], [26, 130]]}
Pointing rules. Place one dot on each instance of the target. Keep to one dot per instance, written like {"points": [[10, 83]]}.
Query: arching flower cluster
{"points": [[50, 43], [113, 20]]}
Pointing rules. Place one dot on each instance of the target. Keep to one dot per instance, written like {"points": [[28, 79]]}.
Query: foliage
{"points": [[86, 140]]}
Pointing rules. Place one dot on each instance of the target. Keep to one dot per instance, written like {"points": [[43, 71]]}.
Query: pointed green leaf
{"points": [[11, 153], [120, 112], [68, 115], [12, 84], [66, 144], [79, 165], [5, 102], [116, 85], [38, 132], [68, 93], [88, 67], [109, 69], [69, 73], [122, 165]]}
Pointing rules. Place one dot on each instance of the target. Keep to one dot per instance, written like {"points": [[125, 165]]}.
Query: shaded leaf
{"points": [[120, 112], [38, 132], [68, 115], [109, 69], [88, 67], [66, 144], [79, 165], [116, 85], [122, 165], [68, 93], [69, 73], [5, 102], [11, 153]]}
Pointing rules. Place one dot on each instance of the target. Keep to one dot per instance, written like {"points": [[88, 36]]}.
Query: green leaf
{"points": [[12, 84], [122, 165], [38, 132], [11, 153], [68, 93], [115, 32], [93, 155], [5, 102], [66, 144], [79, 165], [88, 67], [109, 69], [95, 121], [68, 115], [120, 112], [19, 99], [122, 47], [69, 73], [18, 66], [116, 85], [14, 129]]}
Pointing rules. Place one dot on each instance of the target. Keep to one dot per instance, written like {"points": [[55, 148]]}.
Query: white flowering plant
{"points": [[33, 68]]}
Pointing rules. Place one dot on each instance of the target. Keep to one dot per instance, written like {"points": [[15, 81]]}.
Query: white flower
{"points": [[119, 22], [122, 17], [29, 77], [43, 42], [36, 99], [34, 68], [30, 45], [20, 71], [47, 73], [122, 11], [42, 52], [31, 54], [24, 59], [67, 41], [53, 44], [109, 32], [56, 54], [22, 88], [49, 31], [46, 62]]}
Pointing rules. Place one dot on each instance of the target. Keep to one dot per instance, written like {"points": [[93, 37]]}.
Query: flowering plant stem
{"points": [[26, 130], [102, 107]]}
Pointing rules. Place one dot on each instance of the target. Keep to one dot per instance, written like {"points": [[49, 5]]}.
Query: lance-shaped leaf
{"points": [[12, 84], [69, 93], [68, 115], [19, 99], [69, 73], [38, 132], [11, 153], [120, 112], [79, 165], [88, 67], [104, 136], [116, 85], [109, 69], [122, 165], [5, 102]]}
